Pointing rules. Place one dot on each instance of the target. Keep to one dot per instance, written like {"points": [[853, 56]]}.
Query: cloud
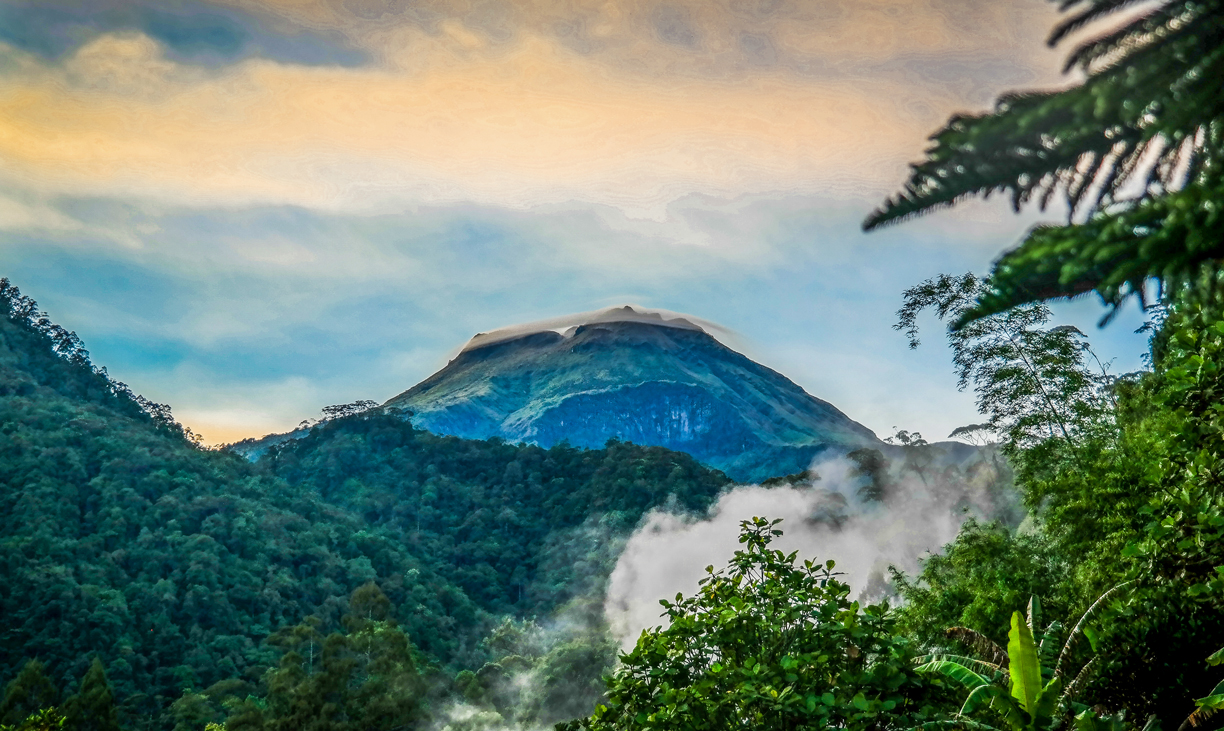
{"points": [[191, 31], [628, 105], [826, 520]]}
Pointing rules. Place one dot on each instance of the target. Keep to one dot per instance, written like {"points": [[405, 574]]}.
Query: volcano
{"points": [[631, 374]]}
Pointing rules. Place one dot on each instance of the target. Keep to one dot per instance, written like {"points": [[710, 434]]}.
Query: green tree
{"points": [[1031, 381], [767, 643], [1136, 150], [541, 677], [93, 707], [364, 678], [28, 693], [976, 580], [48, 719]]}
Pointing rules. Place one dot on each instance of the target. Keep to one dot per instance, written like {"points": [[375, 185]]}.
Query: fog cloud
{"points": [[928, 498]]}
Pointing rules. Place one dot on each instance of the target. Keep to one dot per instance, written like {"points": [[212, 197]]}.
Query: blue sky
{"points": [[250, 210]]}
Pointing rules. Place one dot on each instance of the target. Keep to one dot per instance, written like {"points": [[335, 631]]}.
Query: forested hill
{"points": [[121, 539], [518, 528]]}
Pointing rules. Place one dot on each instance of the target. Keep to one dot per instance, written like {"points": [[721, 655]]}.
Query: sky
{"points": [[250, 209]]}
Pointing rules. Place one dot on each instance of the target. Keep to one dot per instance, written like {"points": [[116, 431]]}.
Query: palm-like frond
{"points": [[1075, 686], [981, 667], [1137, 150], [1048, 646], [1095, 11], [1078, 630], [985, 647], [954, 671], [991, 696], [1207, 707], [1148, 30]]}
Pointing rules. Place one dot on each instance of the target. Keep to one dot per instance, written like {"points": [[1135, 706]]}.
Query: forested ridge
{"points": [[122, 539]]}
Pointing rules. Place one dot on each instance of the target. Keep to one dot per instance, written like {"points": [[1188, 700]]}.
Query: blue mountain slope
{"points": [[644, 379]]}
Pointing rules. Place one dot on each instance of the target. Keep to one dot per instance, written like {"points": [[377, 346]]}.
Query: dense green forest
{"points": [[372, 576], [175, 566]]}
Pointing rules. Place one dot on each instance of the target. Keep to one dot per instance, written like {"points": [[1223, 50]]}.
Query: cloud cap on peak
{"points": [[567, 324]]}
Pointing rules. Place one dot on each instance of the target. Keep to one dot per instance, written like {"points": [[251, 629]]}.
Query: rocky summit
{"points": [[635, 375]]}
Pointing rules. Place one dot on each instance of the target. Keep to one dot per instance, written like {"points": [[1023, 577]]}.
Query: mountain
{"points": [[183, 568], [635, 375]]}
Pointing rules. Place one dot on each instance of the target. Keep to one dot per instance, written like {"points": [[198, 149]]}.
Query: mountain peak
{"points": [[646, 376], [567, 325]]}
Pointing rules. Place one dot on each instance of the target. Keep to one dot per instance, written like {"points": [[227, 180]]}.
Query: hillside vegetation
{"points": [[122, 540]]}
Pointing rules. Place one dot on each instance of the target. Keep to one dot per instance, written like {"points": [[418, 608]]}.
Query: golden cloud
{"points": [[452, 114]]}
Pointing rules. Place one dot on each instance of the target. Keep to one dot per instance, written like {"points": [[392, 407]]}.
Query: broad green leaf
{"points": [[1047, 702], [1091, 635], [1213, 702], [982, 696], [1034, 613], [1022, 664], [981, 667], [955, 671]]}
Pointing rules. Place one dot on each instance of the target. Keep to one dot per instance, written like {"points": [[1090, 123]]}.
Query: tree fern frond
{"points": [[1140, 33], [1083, 18]]}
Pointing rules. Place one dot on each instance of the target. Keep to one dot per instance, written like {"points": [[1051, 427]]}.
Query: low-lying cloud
{"points": [[828, 519]]}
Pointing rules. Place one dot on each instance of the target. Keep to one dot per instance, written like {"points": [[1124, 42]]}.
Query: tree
{"points": [[93, 707], [1136, 151], [977, 581], [872, 464], [766, 643], [31, 691], [363, 679], [1032, 382]]}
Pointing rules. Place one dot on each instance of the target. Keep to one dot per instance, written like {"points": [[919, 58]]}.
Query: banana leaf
{"points": [[1024, 667], [954, 671]]}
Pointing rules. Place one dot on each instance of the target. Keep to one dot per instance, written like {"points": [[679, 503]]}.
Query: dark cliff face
{"points": [[639, 382]]}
